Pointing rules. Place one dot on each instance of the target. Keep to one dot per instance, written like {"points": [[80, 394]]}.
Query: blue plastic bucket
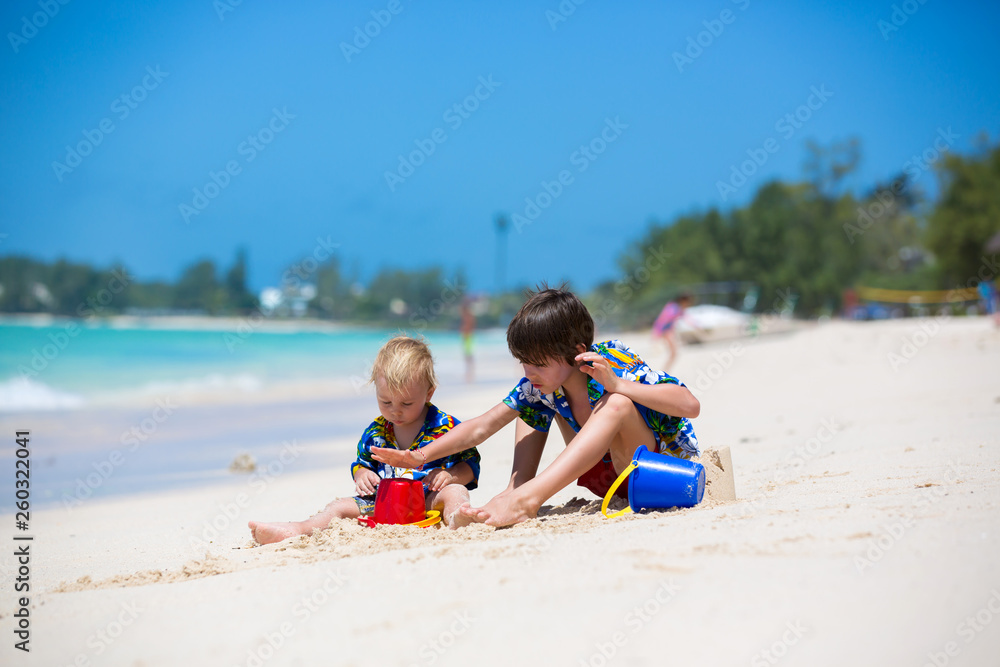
{"points": [[659, 481]]}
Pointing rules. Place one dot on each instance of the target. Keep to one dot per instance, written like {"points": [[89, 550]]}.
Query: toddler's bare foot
{"points": [[504, 510], [269, 533], [458, 519]]}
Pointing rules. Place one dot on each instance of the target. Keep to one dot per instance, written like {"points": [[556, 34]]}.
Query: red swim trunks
{"points": [[600, 478]]}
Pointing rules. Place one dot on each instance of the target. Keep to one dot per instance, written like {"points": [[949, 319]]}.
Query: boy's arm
{"points": [[670, 399], [464, 436]]}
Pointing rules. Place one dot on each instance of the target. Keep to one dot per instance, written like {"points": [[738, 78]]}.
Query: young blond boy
{"points": [[403, 375], [604, 398]]}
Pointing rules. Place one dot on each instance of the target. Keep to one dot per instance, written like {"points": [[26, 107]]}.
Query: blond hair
{"points": [[401, 361]]}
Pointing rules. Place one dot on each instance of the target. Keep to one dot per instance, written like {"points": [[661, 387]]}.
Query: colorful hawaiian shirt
{"points": [[674, 435], [380, 433]]}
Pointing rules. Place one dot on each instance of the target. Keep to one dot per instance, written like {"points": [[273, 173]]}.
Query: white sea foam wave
{"points": [[21, 394]]}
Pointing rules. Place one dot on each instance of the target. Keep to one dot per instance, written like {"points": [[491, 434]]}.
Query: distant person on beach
{"points": [[991, 302], [603, 396], [467, 328], [663, 327], [850, 301], [403, 374]]}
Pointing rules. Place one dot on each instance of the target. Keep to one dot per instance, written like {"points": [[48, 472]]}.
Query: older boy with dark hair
{"points": [[604, 398]]}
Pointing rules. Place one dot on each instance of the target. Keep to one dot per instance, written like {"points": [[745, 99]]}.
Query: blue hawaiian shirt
{"points": [[380, 433], [674, 435]]}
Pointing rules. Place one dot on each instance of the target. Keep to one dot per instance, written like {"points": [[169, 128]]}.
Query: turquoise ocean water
{"points": [[87, 390], [71, 364]]}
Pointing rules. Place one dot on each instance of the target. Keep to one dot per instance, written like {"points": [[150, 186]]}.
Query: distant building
{"points": [[292, 301]]}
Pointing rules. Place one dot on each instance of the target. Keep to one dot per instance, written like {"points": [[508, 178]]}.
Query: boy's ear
{"points": [[581, 348], [430, 392]]}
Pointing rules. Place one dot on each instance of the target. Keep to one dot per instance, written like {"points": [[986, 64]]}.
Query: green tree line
{"points": [[807, 241], [79, 290], [813, 240]]}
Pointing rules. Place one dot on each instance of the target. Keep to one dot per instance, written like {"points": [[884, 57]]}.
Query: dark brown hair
{"points": [[550, 324]]}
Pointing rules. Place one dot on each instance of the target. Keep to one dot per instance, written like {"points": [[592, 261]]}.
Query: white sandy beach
{"points": [[865, 532]]}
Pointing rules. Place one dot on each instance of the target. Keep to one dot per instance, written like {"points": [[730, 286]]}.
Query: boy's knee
{"points": [[614, 405]]}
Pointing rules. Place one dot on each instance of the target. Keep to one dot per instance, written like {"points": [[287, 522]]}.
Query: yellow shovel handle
{"points": [[432, 517], [611, 492]]}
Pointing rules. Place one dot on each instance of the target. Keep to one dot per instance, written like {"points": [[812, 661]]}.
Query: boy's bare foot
{"points": [[269, 533], [504, 510]]}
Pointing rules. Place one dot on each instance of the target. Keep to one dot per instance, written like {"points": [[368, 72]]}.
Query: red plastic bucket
{"points": [[399, 501]]}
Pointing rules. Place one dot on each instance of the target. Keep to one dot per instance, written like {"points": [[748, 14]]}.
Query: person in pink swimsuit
{"points": [[664, 327]]}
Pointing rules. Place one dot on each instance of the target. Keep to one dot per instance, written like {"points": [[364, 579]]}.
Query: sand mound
{"points": [[348, 539], [720, 482], [194, 569]]}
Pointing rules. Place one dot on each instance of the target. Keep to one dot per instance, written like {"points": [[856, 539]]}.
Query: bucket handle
{"points": [[614, 487]]}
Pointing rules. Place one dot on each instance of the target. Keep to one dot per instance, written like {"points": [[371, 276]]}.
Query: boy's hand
{"points": [[365, 482], [438, 478], [599, 369], [406, 458]]}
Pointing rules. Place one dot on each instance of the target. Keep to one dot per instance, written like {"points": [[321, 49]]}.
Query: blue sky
{"points": [[336, 124]]}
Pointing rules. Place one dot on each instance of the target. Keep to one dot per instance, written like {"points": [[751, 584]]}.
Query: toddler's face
{"points": [[405, 407]]}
